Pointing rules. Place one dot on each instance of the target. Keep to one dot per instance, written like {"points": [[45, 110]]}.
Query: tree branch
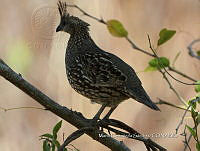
{"points": [[72, 117], [75, 118]]}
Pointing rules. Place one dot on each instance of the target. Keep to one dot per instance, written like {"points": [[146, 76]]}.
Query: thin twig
{"points": [[170, 104], [181, 122], [186, 142], [137, 48], [189, 138], [178, 79], [172, 88], [104, 22], [163, 67], [182, 74], [17, 108], [86, 14], [182, 119], [164, 75]]}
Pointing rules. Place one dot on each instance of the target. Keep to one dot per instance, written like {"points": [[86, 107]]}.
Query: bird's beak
{"points": [[58, 29]]}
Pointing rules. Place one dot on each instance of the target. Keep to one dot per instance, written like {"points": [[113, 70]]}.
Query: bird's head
{"points": [[68, 23]]}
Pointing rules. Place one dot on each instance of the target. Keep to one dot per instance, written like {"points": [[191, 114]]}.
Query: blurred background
{"points": [[30, 45]]}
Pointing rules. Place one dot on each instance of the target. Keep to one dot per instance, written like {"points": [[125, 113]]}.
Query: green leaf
{"points": [[197, 87], [198, 146], [46, 146], [198, 98], [198, 119], [159, 63], [150, 68], [192, 103], [198, 52], [192, 131], [165, 35], [47, 135], [116, 28], [56, 129], [56, 143], [194, 114], [156, 63], [53, 147]]}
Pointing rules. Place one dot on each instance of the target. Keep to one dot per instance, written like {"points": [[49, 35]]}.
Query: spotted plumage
{"points": [[96, 74]]}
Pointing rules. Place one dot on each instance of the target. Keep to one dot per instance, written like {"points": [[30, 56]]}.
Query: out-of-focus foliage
{"points": [[19, 56], [198, 53], [197, 87]]}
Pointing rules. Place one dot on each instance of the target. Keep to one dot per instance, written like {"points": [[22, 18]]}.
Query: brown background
{"points": [[31, 25]]}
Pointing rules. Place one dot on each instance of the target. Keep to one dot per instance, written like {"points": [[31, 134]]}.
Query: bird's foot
{"points": [[103, 123], [94, 122]]}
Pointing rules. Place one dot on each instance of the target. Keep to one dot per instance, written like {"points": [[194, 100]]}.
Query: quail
{"points": [[96, 74]]}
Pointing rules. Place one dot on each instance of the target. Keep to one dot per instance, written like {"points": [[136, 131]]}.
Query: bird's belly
{"points": [[98, 94]]}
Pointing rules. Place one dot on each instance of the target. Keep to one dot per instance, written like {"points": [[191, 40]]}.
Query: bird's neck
{"points": [[79, 39], [81, 33]]}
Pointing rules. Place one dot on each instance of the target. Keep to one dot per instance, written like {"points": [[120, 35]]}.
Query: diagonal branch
{"points": [[61, 111], [74, 118]]}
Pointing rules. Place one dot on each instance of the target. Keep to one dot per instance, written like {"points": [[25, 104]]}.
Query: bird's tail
{"points": [[141, 96]]}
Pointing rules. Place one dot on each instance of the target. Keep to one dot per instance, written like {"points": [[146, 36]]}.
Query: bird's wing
{"points": [[101, 71], [125, 69], [133, 85]]}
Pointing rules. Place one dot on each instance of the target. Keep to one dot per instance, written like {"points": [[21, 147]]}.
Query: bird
{"points": [[101, 76]]}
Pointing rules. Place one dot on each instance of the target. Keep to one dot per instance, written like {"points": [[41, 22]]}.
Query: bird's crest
{"points": [[62, 7], [70, 23]]}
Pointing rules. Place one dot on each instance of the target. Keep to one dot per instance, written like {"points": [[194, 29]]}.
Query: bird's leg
{"points": [[97, 116], [105, 120], [109, 113]]}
